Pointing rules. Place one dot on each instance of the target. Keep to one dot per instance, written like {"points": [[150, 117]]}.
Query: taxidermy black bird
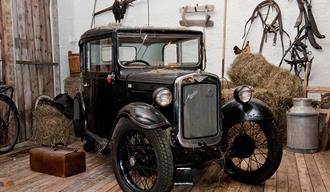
{"points": [[118, 9]]}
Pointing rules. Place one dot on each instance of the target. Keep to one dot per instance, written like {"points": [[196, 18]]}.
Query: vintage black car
{"points": [[146, 98]]}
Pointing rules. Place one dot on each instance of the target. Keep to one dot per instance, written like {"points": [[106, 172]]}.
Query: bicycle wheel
{"points": [[9, 124]]}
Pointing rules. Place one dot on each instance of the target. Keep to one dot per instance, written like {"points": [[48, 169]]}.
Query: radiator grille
{"points": [[200, 110]]}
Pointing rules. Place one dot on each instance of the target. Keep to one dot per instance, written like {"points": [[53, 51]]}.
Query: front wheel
{"points": [[142, 159], [253, 151], [9, 124]]}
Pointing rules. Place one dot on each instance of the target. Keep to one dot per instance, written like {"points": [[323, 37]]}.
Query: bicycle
{"points": [[9, 119]]}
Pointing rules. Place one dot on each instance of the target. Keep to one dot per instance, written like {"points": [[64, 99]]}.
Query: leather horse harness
{"points": [[298, 49], [275, 26]]}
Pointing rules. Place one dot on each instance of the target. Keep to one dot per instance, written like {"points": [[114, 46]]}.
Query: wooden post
{"points": [[224, 40], [56, 46]]}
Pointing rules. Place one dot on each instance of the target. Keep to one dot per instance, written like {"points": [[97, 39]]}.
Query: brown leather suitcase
{"points": [[58, 161]]}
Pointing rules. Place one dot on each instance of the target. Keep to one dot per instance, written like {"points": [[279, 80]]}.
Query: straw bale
{"points": [[226, 84], [50, 127], [250, 69], [226, 95], [283, 84], [72, 85], [255, 70]]}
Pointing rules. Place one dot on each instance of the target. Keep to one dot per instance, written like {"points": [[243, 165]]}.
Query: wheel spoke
{"points": [[248, 130], [141, 174], [257, 162]]}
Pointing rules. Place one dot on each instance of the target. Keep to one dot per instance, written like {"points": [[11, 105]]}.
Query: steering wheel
{"points": [[137, 61]]}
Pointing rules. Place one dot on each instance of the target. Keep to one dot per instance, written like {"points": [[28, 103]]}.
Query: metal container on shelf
{"points": [[302, 127]]}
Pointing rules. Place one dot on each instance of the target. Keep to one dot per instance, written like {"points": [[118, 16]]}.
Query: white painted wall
{"points": [[75, 18]]}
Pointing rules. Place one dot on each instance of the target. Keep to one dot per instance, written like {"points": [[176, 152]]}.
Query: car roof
{"points": [[107, 30]]}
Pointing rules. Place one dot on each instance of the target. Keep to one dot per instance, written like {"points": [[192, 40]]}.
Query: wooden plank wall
{"points": [[8, 43], [33, 54]]}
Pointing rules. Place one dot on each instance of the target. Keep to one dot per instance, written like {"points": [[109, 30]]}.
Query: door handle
{"points": [[86, 84]]}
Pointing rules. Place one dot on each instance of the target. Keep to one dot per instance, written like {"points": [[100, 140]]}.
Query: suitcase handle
{"points": [[61, 146]]}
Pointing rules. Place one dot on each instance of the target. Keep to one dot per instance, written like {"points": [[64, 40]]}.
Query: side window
{"points": [[99, 57], [189, 50], [170, 54], [127, 53], [182, 53]]}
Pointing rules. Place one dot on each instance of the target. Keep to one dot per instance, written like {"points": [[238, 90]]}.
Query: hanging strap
{"points": [[276, 26]]}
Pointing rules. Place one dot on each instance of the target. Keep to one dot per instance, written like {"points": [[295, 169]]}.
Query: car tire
{"points": [[141, 155], [250, 159]]}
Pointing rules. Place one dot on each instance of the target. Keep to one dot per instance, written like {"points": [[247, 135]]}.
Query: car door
{"points": [[98, 87]]}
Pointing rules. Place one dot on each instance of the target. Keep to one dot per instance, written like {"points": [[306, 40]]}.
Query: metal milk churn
{"points": [[302, 126]]}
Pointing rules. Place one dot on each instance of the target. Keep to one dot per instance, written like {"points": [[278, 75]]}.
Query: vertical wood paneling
{"points": [[56, 46], [32, 34], [1, 45], [19, 35], [31, 69], [8, 41], [37, 38]]}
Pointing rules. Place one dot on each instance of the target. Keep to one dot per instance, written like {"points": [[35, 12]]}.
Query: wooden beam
{"points": [[317, 89], [325, 132], [55, 46], [24, 62]]}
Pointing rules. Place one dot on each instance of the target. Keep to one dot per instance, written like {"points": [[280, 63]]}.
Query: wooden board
{"points": [[8, 43], [56, 46], [302, 172], [31, 30]]}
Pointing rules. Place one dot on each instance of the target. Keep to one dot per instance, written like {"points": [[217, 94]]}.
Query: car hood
{"points": [[159, 76]]}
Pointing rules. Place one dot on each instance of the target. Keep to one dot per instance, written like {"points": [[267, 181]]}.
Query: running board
{"points": [[183, 176]]}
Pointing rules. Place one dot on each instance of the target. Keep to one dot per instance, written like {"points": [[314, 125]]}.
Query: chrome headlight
{"points": [[162, 96], [243, 94]]}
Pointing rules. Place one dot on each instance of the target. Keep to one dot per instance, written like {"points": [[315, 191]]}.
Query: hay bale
{"points": [[255, 70], [50, 127], [226, 84], [250, 69], [72, 85], [283, 84], [226, 95]]}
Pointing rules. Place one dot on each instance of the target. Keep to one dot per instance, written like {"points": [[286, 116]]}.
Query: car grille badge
{"points": [[200, 78]]}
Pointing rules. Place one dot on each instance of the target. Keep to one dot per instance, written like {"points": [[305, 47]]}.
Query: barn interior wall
{"points": [[28, 55], [75, 17]]}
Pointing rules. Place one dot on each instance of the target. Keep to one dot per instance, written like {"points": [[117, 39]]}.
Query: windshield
{"points": [[159, 51]]}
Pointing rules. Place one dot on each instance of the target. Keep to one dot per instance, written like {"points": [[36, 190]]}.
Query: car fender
{"points": [[143, 115], [80, 115], [254, 110]]}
